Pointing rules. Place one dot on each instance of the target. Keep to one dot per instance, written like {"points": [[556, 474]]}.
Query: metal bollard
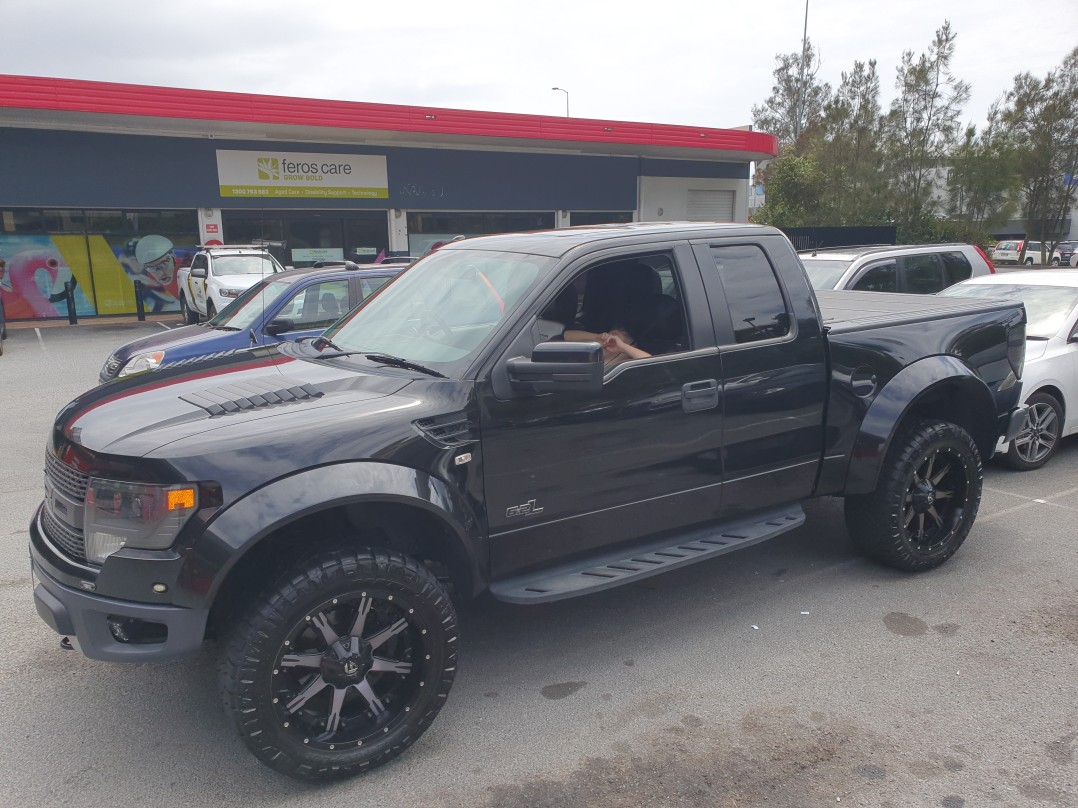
{"points": [[140, 304], [69, 295]]}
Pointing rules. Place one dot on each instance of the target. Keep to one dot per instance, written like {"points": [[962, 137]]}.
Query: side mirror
{"points": [[280, 325], [568, 366], [198, 273]]}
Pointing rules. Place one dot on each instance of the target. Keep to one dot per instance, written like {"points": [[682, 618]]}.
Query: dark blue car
{"points": [[284, 306]]}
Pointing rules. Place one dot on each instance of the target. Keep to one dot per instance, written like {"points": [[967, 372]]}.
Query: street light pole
{"points": [[560, 90]]}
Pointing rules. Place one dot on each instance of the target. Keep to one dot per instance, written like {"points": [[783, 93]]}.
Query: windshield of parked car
{"points": [[824, 273], [248, 307], [244, 265], [441, 311], [1047, 307]]}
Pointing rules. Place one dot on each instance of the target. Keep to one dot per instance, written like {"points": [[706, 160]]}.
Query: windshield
{"points": [[824, 273], [248, 307], [1047, 307], [443, 309], [244, 265]]}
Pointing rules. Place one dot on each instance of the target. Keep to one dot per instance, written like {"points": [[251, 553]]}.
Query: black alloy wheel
{"points": [[925, 501], [1037, 442], [342, 666]]}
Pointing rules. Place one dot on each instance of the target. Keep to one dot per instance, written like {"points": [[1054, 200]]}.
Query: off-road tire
{"points": [[271, 659], [925, 501], [1044, 426], [190, 316]]}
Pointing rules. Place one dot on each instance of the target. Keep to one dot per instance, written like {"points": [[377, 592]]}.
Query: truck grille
{"points": [[71, 481], [69, 541], [72, 484]]}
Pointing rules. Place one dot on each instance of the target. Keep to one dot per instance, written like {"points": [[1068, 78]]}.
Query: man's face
{"points": [[163, 270]]}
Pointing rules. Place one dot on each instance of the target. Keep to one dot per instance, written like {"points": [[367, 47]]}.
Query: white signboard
{"points": [[318, 254], [298, 174]]}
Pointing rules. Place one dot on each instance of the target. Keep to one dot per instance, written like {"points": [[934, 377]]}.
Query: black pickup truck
{"points": [[313, 505]]}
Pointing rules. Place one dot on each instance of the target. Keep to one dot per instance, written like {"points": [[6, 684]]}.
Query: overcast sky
{"points": [[696, 62]]}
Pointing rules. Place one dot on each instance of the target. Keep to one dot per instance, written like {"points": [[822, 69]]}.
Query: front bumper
{"points": [[85, 618]]}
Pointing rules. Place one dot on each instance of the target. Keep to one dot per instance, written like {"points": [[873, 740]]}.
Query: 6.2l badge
{"points": [[523, 510]]}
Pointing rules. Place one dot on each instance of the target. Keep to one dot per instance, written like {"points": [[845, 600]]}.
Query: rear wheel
{"points": [[341, 665], [189, 315], [1037, 441], [925, 500]]}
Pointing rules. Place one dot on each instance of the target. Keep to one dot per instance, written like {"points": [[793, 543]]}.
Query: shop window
{"points": [[428, 231], [588, 217]]}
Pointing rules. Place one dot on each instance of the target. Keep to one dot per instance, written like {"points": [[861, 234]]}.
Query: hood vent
{"points": [[251, 394], [450, 431]]}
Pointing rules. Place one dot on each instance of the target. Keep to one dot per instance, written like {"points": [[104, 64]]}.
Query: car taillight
{"points": [[987, 260]]}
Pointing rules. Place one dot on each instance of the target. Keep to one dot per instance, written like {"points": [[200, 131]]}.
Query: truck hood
{"points": [[240, 282], [146, 413]]}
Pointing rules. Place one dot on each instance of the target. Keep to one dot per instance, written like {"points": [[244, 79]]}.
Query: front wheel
{"points": [[190, 317], [1037, 441], [925, 500], [211, 310], [341, 665]]}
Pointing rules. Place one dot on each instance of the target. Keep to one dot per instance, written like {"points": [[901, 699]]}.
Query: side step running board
{"points": [[629, 565]]}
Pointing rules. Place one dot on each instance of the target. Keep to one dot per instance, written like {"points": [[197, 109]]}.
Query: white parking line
{"points": [[166, 327], [39, 339]]}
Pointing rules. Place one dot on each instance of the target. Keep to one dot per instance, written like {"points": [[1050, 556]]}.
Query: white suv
{"points": [[1010, 252], [218, 275], [921, 269]]}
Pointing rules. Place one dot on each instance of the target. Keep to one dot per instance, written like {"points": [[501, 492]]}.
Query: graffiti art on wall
{"points": [[35, 271]]}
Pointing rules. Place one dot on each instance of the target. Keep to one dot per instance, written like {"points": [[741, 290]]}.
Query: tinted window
{"points": [[199, 262], [317, 306], [881, 278], [956, 267], [922, 274], [757, 308]]}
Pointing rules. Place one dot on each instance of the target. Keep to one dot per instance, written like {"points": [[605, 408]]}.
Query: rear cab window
{"points": [[754, 298]]}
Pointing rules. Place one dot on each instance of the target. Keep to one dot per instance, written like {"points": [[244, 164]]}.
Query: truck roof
{"points": [[556, 243]]}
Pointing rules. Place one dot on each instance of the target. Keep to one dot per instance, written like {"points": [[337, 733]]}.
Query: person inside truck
{"points": [[617, 345]]}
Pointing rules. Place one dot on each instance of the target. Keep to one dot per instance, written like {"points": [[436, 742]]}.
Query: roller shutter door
{"points": [[711, 206]]}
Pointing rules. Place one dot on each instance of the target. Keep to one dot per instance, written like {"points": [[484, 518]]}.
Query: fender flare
{"points": [[889, 408], [236, 530]]}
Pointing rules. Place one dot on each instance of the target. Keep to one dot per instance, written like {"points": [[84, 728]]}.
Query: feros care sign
{"points": [[294, 174]]}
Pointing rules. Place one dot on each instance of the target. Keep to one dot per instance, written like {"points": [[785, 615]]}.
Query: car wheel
{"points": [[925, 500], [1037, 441], [1055, 262], [211, 310], [1029, 262], [342, 665], [188, 314]]}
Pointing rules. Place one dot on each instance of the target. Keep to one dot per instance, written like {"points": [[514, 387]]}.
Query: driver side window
{"points": [[637, 296]]}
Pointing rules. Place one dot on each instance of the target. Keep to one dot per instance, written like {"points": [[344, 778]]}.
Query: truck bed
{"points": [[846, 311]]}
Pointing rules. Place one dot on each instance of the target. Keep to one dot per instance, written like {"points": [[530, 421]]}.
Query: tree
{"points": [[983, 181], [1040, 115], [920, 132], [846, 146], [794, 190], [793, 104]]}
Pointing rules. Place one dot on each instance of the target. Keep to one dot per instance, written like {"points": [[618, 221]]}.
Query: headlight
{"points": [[142, 363], [230, 292], [134, 515]]}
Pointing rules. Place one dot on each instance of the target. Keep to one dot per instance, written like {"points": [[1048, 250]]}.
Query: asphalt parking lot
{"points": [[791, 674]]}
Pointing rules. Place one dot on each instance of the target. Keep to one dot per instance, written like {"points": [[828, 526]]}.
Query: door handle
{"points": [[700, 395]]}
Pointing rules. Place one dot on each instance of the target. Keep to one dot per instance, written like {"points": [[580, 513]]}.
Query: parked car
{"points": [[310, 503], [1064, 253], [284, 306], [1050, 379], [922, 269], [1018, 252], [218, 275]]}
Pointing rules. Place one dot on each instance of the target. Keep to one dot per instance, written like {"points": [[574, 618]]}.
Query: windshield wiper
{"points": [[397, 362], [225, 328]]}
